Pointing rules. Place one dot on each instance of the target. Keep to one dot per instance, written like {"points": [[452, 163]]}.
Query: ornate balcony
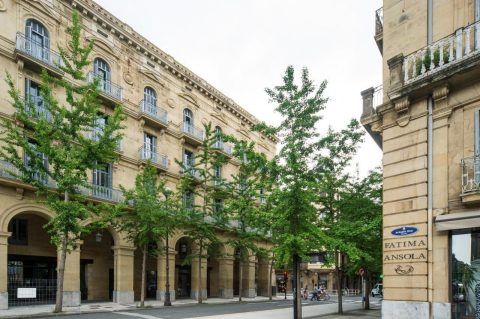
{"points": [[470, 179], [223, 147], [421, 70], [38, 56], [154, 115], [192, 172], [9, 172], [102, 193], [110, 91], [379, 28], [192, 134], [158, 160]]}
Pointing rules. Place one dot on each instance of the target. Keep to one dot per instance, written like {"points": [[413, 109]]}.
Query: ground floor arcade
{"points": [[105, 266]]}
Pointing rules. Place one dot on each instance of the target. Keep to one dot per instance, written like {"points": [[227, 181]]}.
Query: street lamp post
{"points": [[167, 301]]}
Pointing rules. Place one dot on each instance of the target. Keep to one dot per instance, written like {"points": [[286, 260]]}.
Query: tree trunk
{"points": [[297, 302], [339, 287], [367, 289], [240, 278], [270, 280], [61, 268], [144, 270], [200, 297]]}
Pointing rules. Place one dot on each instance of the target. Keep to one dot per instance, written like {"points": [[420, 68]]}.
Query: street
{"points": [[279, 309]]}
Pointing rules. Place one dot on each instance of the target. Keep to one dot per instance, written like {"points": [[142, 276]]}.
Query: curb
{"points": [[131, 308]]}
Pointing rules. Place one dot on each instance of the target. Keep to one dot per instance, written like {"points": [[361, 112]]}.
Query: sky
{"points": [[242, 47]]}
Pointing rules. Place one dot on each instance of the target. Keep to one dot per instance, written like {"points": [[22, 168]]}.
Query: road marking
{"points": [[134, 314]]}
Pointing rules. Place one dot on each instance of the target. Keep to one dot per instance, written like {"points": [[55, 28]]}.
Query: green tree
{"points": [[295, 229], [57, 149], [337, 149], [246, 193], [150, 217], [202, 218], [359, 225]]}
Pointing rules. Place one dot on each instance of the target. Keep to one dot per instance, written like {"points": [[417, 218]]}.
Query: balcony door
{"points": [[32, 96], [188, 159], [150, 98], [37, 41], [188, 121], [149, 146], [37, 175], [102, 176], [102, 71]]}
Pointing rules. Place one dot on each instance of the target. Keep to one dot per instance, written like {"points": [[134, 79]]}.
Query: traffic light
{"points": [[285, 276]]}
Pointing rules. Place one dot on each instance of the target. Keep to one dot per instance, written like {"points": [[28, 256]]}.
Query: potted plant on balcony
{"points": [[427, 59]]}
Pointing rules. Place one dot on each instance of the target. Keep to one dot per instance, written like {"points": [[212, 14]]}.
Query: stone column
{"points": [[71, 282], [123, 288], [194, 292], [3, 270], [367, 98], [161, 276], [248, 282], [263, 273], [225, 282]]}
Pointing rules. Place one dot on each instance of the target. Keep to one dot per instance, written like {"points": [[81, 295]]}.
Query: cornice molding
{"points": [[126, 34]]}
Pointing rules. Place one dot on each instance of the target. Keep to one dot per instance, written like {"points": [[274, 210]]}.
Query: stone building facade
{"points": [[425, 117], [166, 106]]}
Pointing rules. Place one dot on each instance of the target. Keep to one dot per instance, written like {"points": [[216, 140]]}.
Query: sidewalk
{"points": [[373, 313], [351, 310], [96, 307]]}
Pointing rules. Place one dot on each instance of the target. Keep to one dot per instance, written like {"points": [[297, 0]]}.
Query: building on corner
{"points": [[425, 117]]}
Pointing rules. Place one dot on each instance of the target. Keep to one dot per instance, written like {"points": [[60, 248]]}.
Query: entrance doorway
{"points": [[31, 262], [183, 268]]}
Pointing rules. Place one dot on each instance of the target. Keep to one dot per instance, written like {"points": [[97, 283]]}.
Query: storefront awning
{"points": [[457, 221]]}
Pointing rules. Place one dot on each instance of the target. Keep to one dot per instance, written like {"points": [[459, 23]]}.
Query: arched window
{"points": [[37, 40], [188, 117], [150, 96], [102, 71]]}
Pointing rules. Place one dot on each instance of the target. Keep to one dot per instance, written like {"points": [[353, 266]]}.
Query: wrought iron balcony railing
{"points": [[156, 159], [154, 111], [470, 174], [193, 131], [379, 20], [453, 49], [191, 171], [7, 170], [107, 87], [38, 51], [220, 145], [102, 192]]}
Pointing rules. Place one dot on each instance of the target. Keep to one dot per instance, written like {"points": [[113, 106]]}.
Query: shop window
{"points": [[465, 273]]}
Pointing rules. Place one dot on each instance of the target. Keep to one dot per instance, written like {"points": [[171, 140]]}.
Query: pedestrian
{"points": [[305, 293], [315, 293]]}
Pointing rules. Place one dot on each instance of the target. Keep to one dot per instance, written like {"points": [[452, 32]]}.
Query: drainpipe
{"points": [[430, 170]]}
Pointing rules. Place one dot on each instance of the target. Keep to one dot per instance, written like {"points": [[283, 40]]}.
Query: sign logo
{"points": [[407, 270], [404, 231]]}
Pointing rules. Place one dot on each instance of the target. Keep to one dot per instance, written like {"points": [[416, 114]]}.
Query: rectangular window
{"points": [[188, 200], [99, 126], [476, 160], [218, 205], [188, 159], [19, 229], [149, 147], [465, 272], [102, 176], [40, 176]]}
